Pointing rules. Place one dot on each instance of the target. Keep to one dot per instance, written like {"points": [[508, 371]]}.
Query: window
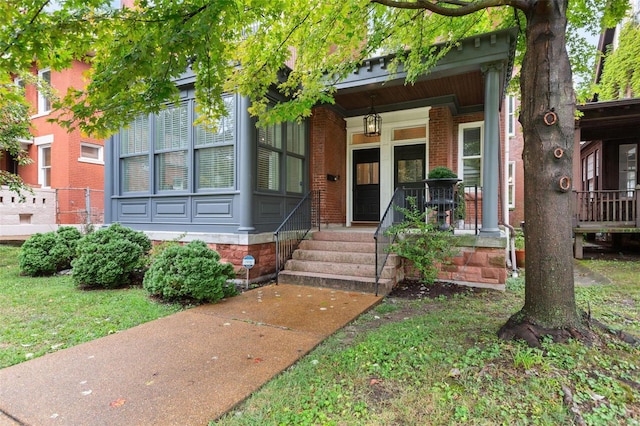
{"points": [[296, 146], [511, 185], [134, 156], [269, 150], [628, 155], [171, 149], [215, 151], [274, 142], [511, 116], [44, 103], [44, 162], [470, 147], [90, 153]]}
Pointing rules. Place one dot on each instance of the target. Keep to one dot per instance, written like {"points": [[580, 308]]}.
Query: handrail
{"points": [[295, 227], [382, 238]]}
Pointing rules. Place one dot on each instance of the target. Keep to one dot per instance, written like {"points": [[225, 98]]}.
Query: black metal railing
{"points": [[383, 238], [295, 227]]}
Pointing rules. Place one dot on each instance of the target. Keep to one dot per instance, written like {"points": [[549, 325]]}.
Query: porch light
{"points": [[372, 122]]}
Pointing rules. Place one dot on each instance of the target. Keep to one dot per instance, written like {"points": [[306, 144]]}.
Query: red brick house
{"points": [[67, 173]]}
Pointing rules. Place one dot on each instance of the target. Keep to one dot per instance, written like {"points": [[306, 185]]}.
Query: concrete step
{"points": [[364, 235], [342, 257], [335, 268], [342, 282], [340, 246]]}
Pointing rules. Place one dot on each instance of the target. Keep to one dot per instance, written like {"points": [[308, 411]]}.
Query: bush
{"points": [[192, 271], [441, 172], [110, 257], [50, 252], [421, 242]]}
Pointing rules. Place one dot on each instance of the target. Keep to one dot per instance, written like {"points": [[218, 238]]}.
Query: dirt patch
{"points": [[413, 289]]}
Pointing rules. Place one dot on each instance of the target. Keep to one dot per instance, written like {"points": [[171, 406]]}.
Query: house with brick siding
{"points": [[233, 186], [67, 172]]}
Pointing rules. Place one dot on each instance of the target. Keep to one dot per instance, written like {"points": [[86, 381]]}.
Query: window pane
{"points": [[367, 174], [135, 138], [296, 137], [92, 152], [268, 169], [419, 132], [44, 103], [46, 157], [225, 128], [471, 142], [135, 174], [410, 171], [271, 136], [294, 174], [216, 167], [172, 170], [46, 176], [172, 128], [471, 172]]}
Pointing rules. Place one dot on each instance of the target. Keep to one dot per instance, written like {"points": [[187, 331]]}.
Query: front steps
{"points": [[341, 259]]}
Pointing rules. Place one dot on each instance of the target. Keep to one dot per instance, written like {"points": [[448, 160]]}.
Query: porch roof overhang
{"points": [[609, 120], [457, 81]]}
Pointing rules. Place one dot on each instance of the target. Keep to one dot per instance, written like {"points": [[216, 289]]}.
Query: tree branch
{"points": [[453, 7]]}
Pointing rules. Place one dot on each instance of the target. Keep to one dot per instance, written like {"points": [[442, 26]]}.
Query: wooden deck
{"points": [[604, 211]]}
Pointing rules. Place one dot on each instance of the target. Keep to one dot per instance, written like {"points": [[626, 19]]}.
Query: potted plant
{"points": [[518, 242], [442, 183]]}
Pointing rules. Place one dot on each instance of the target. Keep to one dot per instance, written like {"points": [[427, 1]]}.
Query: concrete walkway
{"points": [[184, 369]]}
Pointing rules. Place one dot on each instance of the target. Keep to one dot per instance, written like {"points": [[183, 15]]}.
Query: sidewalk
{"points": [[184, 369]]}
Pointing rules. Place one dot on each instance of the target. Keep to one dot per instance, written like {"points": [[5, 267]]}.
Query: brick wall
{"points": [[66, 169], [328, 147], [479, 263]]}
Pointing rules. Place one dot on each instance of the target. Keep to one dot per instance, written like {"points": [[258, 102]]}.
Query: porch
{"points": [[604, 212]]}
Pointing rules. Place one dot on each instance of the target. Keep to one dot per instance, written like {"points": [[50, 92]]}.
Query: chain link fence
{"points": [[76, 206]]}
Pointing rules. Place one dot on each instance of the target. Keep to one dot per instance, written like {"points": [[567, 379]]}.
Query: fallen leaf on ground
{"points": [[117, 403]]}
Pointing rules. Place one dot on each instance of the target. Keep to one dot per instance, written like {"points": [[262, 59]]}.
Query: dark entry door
{"points": [[366, 185], [409, 171]]}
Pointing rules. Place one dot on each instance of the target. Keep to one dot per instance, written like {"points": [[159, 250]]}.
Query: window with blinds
{"points": [[281, 157], [215, 151], [134, 153], [171, 143]]}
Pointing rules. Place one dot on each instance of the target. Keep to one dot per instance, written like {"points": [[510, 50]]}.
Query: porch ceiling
{"points": [[461, 93], [610, 120], [457, 80]]}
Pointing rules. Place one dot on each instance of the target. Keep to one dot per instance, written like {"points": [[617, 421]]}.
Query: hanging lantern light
{"points": [[372, 122]]}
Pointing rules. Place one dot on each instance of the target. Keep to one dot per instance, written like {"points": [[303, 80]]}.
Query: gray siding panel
{"points": [[212, 208], [134, 210], [171, 209]]}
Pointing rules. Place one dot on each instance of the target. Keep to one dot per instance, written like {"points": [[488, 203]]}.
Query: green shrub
{"points": [[442, 172], [421, 242], [110, 257], [191, 271], [50, 252]]}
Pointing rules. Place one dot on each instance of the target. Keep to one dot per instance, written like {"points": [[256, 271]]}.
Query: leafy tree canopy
{"points": [[620, 78], [137, 52]]}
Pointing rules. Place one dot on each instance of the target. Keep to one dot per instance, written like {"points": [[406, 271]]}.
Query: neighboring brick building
{"points": [[67, 173]]}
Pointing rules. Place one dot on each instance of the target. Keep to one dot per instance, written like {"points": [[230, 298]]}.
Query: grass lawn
{"points": [[406, 362], [42, 315], [439, 362]]}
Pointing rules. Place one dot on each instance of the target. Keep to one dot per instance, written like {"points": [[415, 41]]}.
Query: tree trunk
{"points": [[547, 118]]}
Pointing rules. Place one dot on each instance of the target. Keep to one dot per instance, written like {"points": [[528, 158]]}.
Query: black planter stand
{"points": [[442, 198]]}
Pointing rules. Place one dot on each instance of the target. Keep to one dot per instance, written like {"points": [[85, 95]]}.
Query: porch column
{"points": [[491, 156], [245, 148]]}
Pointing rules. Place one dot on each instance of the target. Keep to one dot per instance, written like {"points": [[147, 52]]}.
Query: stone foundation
{"points": [[480, 262]]}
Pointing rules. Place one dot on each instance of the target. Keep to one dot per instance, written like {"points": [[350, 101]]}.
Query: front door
{"points": [[366, 185], [409, 171]]}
